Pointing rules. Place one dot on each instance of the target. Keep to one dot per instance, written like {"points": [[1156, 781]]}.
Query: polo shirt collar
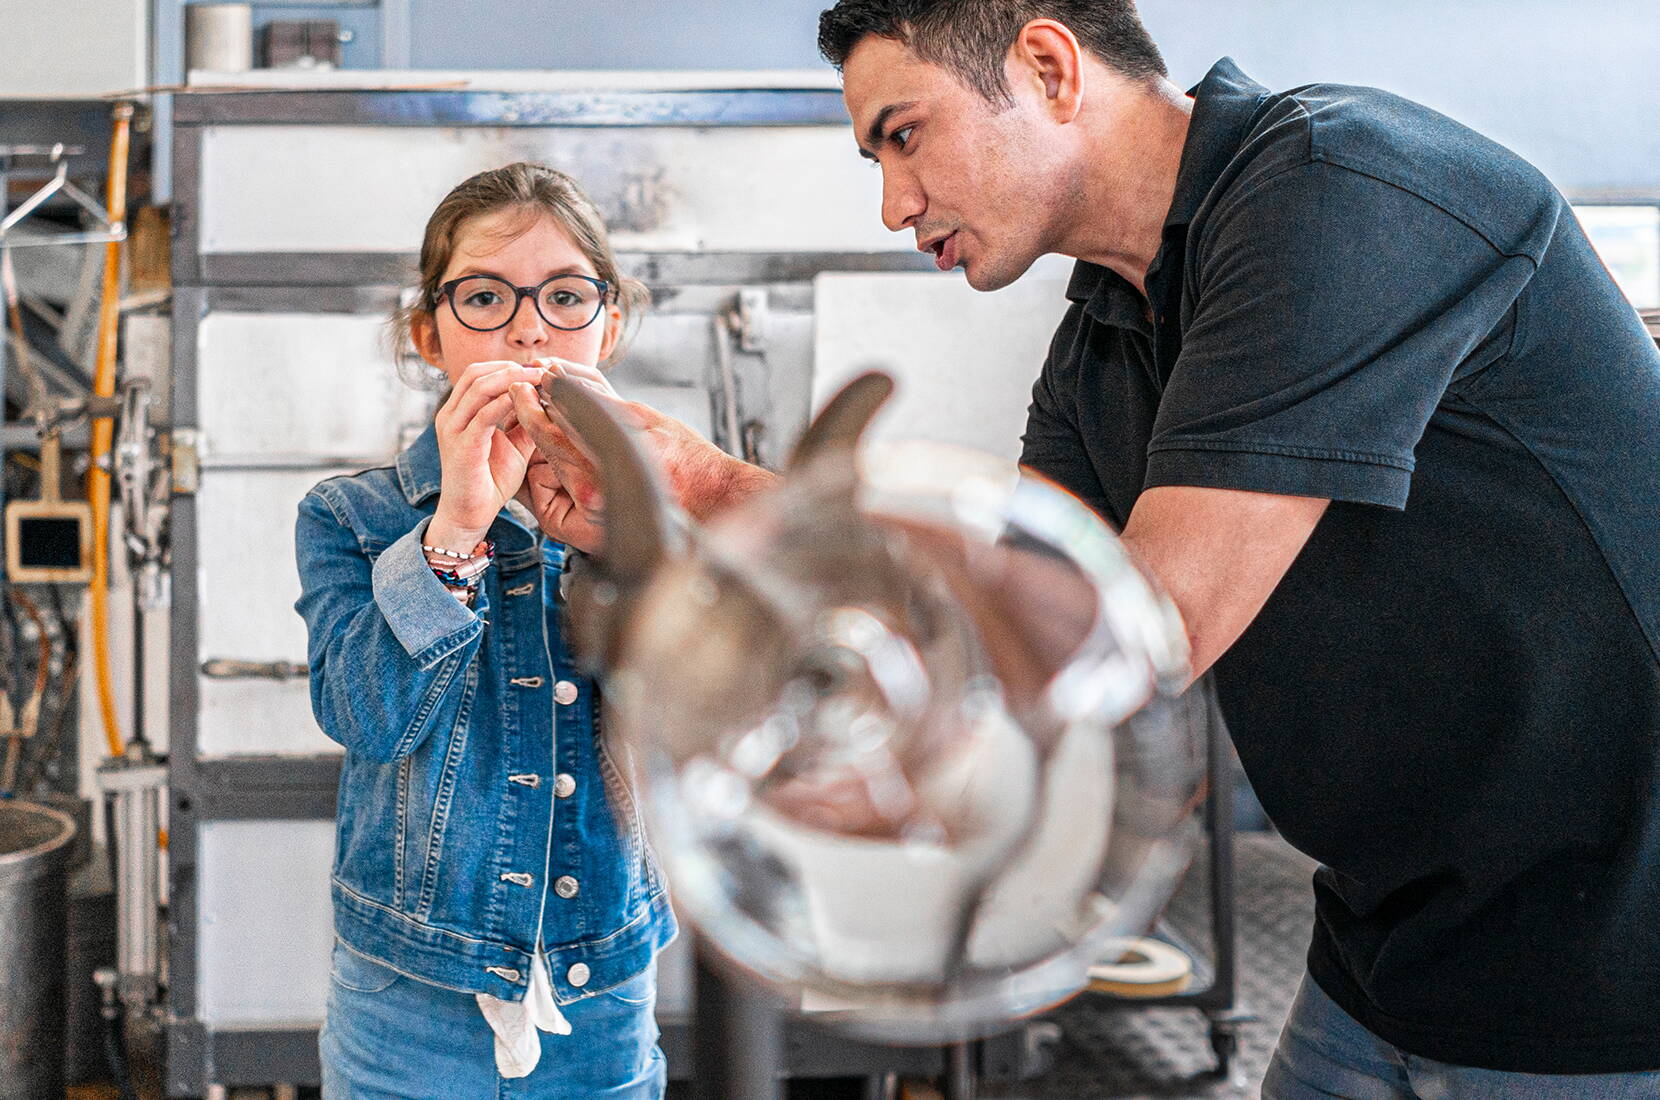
{"points": [[1224, 104]]}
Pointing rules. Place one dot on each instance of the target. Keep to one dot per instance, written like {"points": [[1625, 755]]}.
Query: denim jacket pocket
{"points": [[621, 796], [359, 973], [638, 991]]}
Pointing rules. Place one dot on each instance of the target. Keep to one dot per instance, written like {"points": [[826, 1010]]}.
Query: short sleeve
{"points": [[1330, 311], [1051, 445]]}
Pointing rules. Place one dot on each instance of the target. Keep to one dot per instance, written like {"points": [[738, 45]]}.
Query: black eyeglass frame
{"points": [[520, 293]]}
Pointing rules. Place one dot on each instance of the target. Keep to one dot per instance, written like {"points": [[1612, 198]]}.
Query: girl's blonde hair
{"points": [[535, 189]]}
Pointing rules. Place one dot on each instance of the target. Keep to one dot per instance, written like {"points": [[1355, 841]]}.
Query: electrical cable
{"points": [[14, 674], [47, 745], [103, 428], [28, 716]]}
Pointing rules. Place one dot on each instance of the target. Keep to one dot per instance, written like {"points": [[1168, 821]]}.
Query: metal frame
{"points": [[737, 107], [304, 788], [1217, 998]]}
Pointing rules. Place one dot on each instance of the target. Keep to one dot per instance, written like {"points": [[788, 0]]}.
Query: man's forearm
{"points": [[716, 482]]}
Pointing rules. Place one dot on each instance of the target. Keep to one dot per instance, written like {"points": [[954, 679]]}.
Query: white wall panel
{"points": [[266, 923], [259, 718], [964, 361], [79, 50], [246, 589], [359, 189], [318, 385]]}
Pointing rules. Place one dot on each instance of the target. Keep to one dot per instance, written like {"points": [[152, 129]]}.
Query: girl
{"points": [[496, 910]]}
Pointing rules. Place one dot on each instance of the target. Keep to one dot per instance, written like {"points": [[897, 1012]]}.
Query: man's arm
{"points": [[1219, 553], [570, 504]]}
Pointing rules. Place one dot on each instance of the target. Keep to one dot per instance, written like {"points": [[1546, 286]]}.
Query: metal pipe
{"points": [[737, 1040], [732, 435], [132, 784], [103, 428], [961, 1076]]}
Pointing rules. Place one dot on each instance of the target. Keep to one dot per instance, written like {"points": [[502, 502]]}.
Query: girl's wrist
{"points": [[450, 535]]}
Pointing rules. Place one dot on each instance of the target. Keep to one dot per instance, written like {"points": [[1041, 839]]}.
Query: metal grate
{"points": [[1108, 1050]]}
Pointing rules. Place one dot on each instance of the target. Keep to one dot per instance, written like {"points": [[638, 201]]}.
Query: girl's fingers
{"points": [[532, 418], [475, 390], [590, 376], [488, 418]]}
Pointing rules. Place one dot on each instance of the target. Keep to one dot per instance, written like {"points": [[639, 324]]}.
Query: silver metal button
{"points": [[564, 693], [566, 886], [564, 785], [578, 975]]}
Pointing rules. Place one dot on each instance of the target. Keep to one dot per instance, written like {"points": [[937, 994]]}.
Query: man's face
{"points": [[973, 180]]}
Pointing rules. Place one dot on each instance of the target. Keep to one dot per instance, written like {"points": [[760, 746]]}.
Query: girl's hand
{"points": [[483, 450]]}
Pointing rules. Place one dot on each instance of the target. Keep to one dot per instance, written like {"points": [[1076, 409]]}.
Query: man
{"points": [[1354, 386]]}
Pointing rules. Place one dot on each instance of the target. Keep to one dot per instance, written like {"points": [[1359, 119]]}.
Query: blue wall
{"points": [[1573, 86]]}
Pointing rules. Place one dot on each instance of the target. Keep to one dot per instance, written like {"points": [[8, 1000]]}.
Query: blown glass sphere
{"points": [[909, 738]]}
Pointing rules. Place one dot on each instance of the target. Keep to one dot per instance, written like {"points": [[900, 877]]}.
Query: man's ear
{"points": [[1048, 55], [423, 333]]}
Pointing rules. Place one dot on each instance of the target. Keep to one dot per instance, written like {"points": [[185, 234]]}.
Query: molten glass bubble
{"points": [[910, 740]]}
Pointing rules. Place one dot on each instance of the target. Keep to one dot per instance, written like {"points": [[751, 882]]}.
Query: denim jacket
{"points": [[477, 810]]}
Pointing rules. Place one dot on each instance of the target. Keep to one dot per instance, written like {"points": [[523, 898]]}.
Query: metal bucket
{"points": [[35, 844]]}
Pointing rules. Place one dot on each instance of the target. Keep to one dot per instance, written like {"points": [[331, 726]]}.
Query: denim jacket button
{"points": [[564, 693], [578, 975], [564, 785], [566, 886]]}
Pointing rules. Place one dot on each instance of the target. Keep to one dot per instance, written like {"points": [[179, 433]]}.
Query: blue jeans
{"points": [[392, 1037], [1324, 1052]]}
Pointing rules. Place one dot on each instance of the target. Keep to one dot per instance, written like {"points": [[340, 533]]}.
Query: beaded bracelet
{"points": [[486, 548], [462, 572], [459, 573]]}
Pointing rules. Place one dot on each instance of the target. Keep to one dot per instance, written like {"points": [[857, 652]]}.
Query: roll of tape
{"points": [[1141, 967], [219, 37]]}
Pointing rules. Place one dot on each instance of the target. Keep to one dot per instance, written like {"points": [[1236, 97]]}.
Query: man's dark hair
{"points": [[972, 37]]}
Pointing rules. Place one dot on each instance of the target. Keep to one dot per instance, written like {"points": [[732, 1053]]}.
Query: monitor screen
{"points": [[49, 542]]}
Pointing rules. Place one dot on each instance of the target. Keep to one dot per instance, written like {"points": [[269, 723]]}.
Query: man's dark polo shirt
{"points": [[1452, 700]]}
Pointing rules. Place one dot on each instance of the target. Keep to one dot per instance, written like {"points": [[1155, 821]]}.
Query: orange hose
{"points": [[103, 428]]}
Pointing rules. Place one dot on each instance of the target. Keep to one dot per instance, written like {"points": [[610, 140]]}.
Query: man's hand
{"points": [[703, 478], [1219, 553], [557, 512]]}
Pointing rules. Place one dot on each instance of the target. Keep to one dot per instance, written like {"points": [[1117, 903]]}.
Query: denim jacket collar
{"points": [[420, 474]]}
